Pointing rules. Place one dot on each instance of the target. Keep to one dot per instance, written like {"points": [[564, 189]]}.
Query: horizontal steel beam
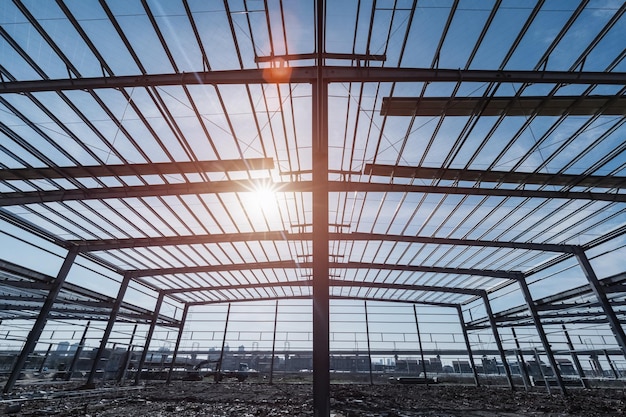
{"points": [[309, 75], [138, 191], [158, 168], [108, 244]]}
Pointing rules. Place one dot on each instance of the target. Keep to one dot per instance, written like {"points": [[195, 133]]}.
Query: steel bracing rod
{"points": [[540, 331], [328, 74], [216, 187], [496, 336], [109, 328], [153, 323], [579, 368], [468, 345], [521, 360], [156, 168], [79, 350], [42, 318], [108, 244], [331, 283], [179, 337], [508, 177], [598, 291], [369, 345], [271, 381], [494, 273], [419, 339]]}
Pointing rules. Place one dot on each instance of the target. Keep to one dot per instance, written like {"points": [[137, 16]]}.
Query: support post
{"points": [[579, 368], [129, 355], [419, 340], [321, 289], [79, 350], [369, 348], [468, 346], [608, 359], [598, 291], [42, 318], [218, 365], [273, 344], [179, 337], [144, 353], [543, 375], [45, 358], [107, 331], [522, 362], [542, 334], [496, 335]]}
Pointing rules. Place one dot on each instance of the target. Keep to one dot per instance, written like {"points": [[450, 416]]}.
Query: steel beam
{"points": [[109, 328], [468, 346], [79, 350], [304, 74], [216, 187], [579, 368], [496, 336], [598, 290], [179, 337], [542, 334], [144, 353], [42, 318]]}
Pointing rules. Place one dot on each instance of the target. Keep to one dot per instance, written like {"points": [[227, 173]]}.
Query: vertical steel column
{"points": [[496, 335], [79, 350], [144, 353], [107, 331], [129, 355], [419, 340], [468, 346], [45, 358], [579, 368], [543, 375], [540, 331], [218, 365], [42, 318], [369, 348], [522, 363], [179, 337], [608, 359], [273, 345], [321, 303], [598, 291]]}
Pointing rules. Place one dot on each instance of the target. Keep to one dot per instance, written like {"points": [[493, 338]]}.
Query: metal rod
{"points": [[107, 331], [42, 318], [129, 356], [608, 359], [542, 334], [543, 375], [468, 346], [45, 358], [144, 353], [579, 368], [369, 348], [273, 344], [179, 337]]}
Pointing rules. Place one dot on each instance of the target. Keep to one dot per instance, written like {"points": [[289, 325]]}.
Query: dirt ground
{"points": [[249, 399]]}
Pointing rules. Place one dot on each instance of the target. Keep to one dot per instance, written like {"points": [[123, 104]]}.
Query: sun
{"points": [[265, 197]]}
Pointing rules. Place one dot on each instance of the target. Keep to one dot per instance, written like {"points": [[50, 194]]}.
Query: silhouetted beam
{"points": [[138, 191], [309, 74], [337, 265], [500, 106], [332, 283], [164, 168], [332, 297], [108, 244], [495, 176]]}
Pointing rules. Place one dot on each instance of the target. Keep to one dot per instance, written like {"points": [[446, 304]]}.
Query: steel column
{"points": [[107, 331], [273, 344], [468, 346], [218, 365], [42, 318], [543, 375], [144, 353], [596, 287], [419, 340], [542, 334], [179, 337], [79, 350], [579, 368], [369, 348], [522, 362], [496, 336], [129, 355], [321, 288]]}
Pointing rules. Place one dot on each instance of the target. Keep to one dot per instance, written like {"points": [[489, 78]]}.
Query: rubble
{"points": [[250, 399]]}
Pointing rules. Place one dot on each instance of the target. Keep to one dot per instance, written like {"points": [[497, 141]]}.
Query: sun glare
{"points": [[265, 198]]}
